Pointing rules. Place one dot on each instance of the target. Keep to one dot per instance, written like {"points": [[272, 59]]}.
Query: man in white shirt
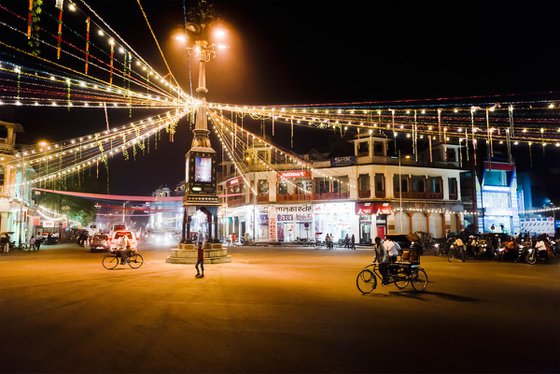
{"points": [[392, 249]]}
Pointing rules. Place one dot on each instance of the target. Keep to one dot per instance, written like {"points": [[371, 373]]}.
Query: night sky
{"points": [[285, 52]]}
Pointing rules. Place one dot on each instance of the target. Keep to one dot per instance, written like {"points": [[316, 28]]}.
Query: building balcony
{"points": [[380, 194], [262, 198], [331, 195], [420, 195], [293, 197], [364, 194], [236, 201]]}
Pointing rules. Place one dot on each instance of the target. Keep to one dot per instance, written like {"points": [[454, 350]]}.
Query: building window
{"points": [[363, 149], [404, 183], [321, 185], [499, 178], [363, 183], [379, 185], [340, 184], [378, 149], [282, 188], [452, 188], [451, 155], [418, 184], [303, 186], [434, 184], [262, 187]]}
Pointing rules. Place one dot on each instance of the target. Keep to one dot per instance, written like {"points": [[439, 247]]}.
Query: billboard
{"points": [[203, 169]]}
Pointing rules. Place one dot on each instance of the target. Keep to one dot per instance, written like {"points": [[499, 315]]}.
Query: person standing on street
{"points": [[32, 243], [200, 261], [346, 241], [353, 242]]}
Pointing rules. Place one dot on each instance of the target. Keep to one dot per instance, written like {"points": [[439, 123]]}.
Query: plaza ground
{"points": [[272, 310]]}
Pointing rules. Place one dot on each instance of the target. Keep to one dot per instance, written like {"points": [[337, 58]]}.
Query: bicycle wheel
{"points": [[110, 262], [135, 261], [366, 281], [419, 280]]}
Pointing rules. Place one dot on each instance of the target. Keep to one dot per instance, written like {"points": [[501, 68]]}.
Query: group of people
{"points": [[350, 242], [35, 243], [386, 253]]}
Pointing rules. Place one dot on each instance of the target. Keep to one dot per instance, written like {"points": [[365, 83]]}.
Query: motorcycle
{"points": [[509, 252], [535, 254]]}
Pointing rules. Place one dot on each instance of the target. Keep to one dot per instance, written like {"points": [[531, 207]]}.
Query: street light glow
{"points": [[219, 33], [180, 38]]}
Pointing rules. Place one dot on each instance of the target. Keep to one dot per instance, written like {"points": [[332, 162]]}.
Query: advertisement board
{"points": [[203, 169]]}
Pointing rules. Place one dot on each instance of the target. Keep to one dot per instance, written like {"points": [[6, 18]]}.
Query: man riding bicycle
{"points": [[382, 258], [123, 248]]}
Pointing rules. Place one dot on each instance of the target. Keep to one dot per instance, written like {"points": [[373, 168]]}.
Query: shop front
{"points": [[293, 222], [336, 219], [373, 219]]}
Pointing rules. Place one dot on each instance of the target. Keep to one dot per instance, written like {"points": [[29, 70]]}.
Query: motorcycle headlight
{"points": [[436, 245]]}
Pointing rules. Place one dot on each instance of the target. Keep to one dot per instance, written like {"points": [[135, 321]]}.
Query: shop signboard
{"points": [[272, 228], [294, 174], [293, 208], [263, 219], [233, 182], [303, 218], [48, 223], [370, 208], [343, 161], [285, 217]]}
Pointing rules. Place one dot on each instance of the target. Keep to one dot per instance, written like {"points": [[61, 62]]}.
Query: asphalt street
{"points": [[272, 310]]}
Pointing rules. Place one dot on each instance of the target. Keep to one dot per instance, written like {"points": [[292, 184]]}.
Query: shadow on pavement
{"points": [[441, 295]]}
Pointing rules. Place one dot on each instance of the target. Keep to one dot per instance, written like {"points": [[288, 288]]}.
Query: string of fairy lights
{"points": [[501, 124], [57, 161], [112, 72]]}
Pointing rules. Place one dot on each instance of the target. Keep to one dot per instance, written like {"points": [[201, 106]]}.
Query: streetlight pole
{"points": [[400, 192]]}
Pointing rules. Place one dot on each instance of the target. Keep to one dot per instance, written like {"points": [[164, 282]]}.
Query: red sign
{"points": [[294, 174], [234, 181], [498, 166], [367, 208]]}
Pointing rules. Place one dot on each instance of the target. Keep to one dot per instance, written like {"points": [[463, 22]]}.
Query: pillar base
{"points": [[214, 253]]}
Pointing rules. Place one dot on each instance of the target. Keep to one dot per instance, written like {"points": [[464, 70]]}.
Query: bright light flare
{"points": [[182, 38], [219, 32]]}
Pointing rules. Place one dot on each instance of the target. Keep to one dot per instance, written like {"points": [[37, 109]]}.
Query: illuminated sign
{"points": [[295, 174], [233, 182], [366, 208], [203, 169]]}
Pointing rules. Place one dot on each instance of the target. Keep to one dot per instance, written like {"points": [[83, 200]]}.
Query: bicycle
{"points": [[133, 259], [401, 274]]}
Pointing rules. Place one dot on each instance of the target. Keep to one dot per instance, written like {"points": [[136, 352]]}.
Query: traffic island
{"points": [[214, 253]]}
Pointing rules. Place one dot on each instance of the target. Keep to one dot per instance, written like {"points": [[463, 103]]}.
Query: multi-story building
{"points": [[16, 206], [366, 193]]}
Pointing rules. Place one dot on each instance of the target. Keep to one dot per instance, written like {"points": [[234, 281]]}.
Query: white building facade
{"points": [[357, 194]]}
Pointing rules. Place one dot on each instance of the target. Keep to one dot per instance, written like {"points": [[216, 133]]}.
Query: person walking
{"points": [[32, 243], [38, 242], [353, 242], [346, 241], [200, 261]]}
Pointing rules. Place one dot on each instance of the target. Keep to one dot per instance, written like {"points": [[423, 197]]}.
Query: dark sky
{"points": [[286, 52]]}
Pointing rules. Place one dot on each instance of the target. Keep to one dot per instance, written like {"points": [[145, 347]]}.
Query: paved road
{"points": [[272, 310]]}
